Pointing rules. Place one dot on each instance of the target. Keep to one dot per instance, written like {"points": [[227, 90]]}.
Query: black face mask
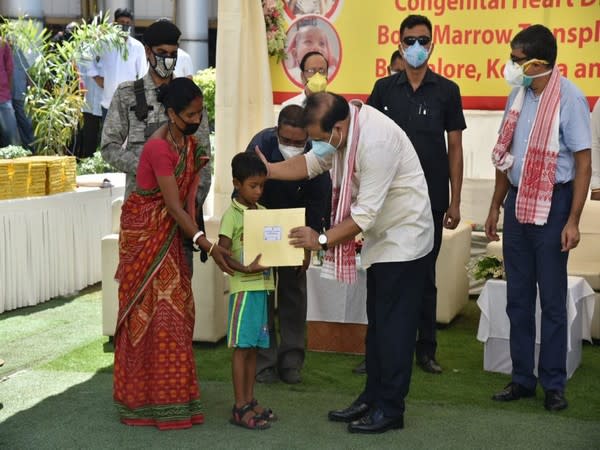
{"points": [[189, 129], [127, 28]]}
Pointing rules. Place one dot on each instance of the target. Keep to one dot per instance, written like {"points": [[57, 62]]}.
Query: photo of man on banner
{"points": [[311, 34]]}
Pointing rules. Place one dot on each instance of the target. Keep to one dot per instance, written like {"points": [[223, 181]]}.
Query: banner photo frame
{"points": [[471, 41]]}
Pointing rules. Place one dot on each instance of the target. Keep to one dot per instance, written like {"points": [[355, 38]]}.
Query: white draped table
{"points": [[494, 325], [332, 301], [50, 246], [336, 313]]}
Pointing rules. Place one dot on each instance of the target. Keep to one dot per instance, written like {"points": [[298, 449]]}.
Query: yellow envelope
{"points": [[266, 232]]}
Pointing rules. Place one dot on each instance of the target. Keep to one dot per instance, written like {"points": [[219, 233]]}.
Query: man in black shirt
{"points": [[285, 359], [426, 105]]}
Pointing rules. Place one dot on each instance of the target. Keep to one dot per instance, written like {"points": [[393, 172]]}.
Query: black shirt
{"points": [[314, 195], [424, 115]]}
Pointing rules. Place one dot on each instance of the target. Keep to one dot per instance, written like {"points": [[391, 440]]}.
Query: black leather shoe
{"points": [[361, 369], [375, 422], [555, 401], [290, 376], [353, 412], [513, 391], [429, 365], [268, 376]]}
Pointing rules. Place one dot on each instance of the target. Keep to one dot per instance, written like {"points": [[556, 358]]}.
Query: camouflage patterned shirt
{"points": [[124, 136]]}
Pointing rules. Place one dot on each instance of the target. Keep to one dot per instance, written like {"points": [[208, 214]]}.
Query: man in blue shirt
{"points": [[543, 169], [285, 359]]}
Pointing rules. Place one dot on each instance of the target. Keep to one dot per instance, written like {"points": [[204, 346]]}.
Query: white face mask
{"points": [[514, 75], [289, 151]]}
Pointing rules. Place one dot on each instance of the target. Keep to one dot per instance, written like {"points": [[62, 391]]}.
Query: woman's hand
{"points": [[220, 255]]}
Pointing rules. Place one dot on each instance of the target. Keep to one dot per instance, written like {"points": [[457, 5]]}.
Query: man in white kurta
{"points": [[390, 206], [111, 68]]}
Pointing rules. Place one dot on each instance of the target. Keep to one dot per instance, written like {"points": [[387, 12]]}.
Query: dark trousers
{"points": [[89, 136], [394, 293], [288, 353], [24, 124], [426, 337], [532, 255]]}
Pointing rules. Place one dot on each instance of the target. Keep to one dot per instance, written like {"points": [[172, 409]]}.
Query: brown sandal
{"points": [[266, 413], [254, 422]]}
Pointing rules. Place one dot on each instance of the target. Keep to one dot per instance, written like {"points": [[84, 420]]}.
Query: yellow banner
{"points": [[471, 42]]}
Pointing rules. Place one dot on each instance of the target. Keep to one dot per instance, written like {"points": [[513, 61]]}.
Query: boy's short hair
{"points": [[247, 164]]}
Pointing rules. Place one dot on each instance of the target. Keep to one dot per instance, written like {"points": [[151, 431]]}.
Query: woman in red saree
{"points": [[155, 379]]}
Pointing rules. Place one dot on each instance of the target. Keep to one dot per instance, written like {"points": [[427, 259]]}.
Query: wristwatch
{"points": [[323, 241]]}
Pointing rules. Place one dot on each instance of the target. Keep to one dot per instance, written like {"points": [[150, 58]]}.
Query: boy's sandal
{"points": [[266, 413], [254, 422]]}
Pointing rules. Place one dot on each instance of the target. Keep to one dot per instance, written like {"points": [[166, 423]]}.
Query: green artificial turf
{"points": [[57, 385]]}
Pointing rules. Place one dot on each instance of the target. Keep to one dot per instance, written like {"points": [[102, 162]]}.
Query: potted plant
{"points": [[485, 267], [55, 95], [206, 80]]}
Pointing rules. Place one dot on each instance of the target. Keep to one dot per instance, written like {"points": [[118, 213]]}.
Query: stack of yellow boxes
{"points": [[5, 188], [37, 176], [14, 175]]}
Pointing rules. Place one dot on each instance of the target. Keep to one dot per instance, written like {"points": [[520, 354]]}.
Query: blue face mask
{"points": [[323, 149], [416, 55]]}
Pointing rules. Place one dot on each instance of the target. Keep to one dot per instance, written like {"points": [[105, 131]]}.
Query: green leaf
{"points": [[54, 99]]}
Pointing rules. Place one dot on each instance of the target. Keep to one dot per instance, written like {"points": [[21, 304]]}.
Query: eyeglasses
{"points": [[526, 61], [294, 143], [518, 60], [313, 71], [410, 40]]}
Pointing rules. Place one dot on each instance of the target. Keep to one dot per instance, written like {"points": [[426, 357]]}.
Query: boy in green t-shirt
{"points": [[247, 325]]}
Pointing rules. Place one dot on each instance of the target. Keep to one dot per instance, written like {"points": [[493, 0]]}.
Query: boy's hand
{"points": [[255, 267]]}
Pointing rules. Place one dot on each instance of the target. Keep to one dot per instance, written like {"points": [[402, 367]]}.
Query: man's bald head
{"points": [[325, 109]]}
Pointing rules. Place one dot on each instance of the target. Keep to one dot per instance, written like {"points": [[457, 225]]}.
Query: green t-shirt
{"points": [[232, 226]]}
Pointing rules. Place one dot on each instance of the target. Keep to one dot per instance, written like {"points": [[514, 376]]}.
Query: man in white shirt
{"points": [[389, 204], [92, 113], [313, 72], [111, 69], [184, 66]]}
